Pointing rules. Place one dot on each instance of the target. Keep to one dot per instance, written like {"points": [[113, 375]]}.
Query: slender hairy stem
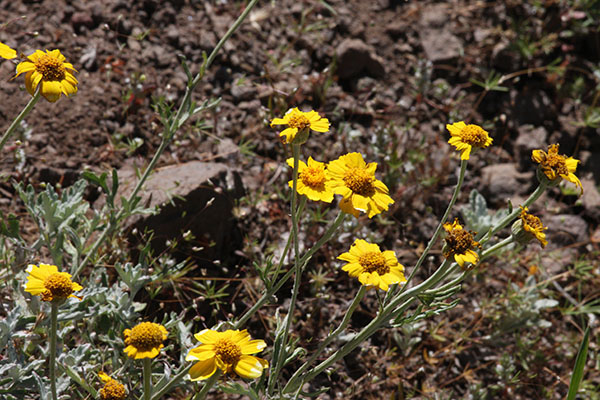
{"points": [[345, 321], [280, 358], [13, 126], [52, 355], [167, 136], [201, 395], [147, 378], [510, 217], [172, 382], [325, 238], [491, 250], [289, 240], [436, 234], [269, 294], [375, 324]]}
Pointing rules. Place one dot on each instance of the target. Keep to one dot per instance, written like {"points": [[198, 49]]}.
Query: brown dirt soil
{"points": [[415, 77]]}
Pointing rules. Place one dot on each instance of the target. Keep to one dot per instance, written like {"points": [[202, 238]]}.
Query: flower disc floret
{"points": [[112, 390], [460, 244], [374, 268], [556, 166], [229, 351], [300, 122], [533, 226], [354, 179], [313, 180], [145, 340], [467, 137], [49, 70], [45, 281]]}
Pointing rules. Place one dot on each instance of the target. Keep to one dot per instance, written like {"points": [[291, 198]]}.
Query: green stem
{"points": [[147, 378], [345, 321], [381, 319], [167, 137], [491, 250], [269, 294], [289, 240], [510, 217], [52, 355], [280, 358], [201, 395], [436, 234], [450, 284], [325, 238], [172, 382], [13, 126]]}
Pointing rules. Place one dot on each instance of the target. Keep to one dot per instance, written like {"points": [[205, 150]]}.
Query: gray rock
{"points": [[590, 198], [530, 138], [436, 39], [243, 92], [504, 180], [440, 44], [564, 229], [195, 197], [356, 57]]}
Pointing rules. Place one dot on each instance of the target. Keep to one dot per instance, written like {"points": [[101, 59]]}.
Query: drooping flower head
{"points": [[556, 166], [7, 52], [45, 281], [354, 179], [460, 244], [300, 122], [373, 268], [49, 70], [229, 351], [529, 227], [466, 137], [145, 340], [112, 390], [313, 180]]}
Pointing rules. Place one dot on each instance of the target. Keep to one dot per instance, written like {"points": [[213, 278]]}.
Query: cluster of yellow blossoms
{"points": [[47, 70], [349, 176]]}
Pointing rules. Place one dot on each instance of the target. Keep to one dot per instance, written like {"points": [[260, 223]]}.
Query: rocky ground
{"points": [[388, 75]]}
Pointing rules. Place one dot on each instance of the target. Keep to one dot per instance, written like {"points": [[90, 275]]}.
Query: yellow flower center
{"points": [[531, 223], [555, 162], [51, 68], [474, 135], [113, 390], [58, 286], [313, 177], [374, 262], [360, 181], [228, 351], [298, 121], [459, 241], [145, 336]]}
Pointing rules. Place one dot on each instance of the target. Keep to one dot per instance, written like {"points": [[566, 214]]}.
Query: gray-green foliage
{"points": [[477, 216]]}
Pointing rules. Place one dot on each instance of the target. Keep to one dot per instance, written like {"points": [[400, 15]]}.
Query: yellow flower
{"points": [[51, 285], [298, 121], [533, 225], [556, 166], [313, 180], [7, 52], [145, 340], [372, 267], [112, 390], [465, 137], [355, 180], [49, 70], [229, 351], [460, 243]]}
